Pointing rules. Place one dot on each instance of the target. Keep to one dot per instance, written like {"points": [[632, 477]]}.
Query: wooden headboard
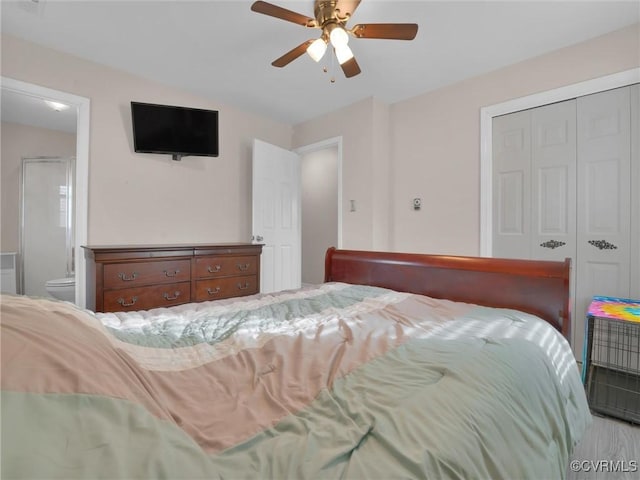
{"points": [[532, 286]]}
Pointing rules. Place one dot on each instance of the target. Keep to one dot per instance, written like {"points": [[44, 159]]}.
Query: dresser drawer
{"points": [[224, 266], [226, 287], [145, 298], [126, 275]]}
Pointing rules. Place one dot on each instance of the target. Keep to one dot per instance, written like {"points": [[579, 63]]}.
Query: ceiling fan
{"points": [[331, 17]]}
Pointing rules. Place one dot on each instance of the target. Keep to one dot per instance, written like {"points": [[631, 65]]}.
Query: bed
{"points": [[398, 366]]}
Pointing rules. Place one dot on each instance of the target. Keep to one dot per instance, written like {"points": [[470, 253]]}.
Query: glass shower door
{"points": [[47, 222]]}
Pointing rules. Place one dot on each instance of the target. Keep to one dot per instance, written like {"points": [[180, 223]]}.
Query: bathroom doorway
{"points": [[10, 173], [46, 222]]}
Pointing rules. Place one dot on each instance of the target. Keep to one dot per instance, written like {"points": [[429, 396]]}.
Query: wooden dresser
{"points": [[142, 277]]}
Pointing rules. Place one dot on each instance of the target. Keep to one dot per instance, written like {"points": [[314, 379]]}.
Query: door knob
{"points": [[257, 238]]}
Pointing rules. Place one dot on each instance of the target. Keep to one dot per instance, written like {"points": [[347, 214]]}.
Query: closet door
{"points": [[562, 187], [512, 185], [553, 179], [604, 201], [534, 182]]}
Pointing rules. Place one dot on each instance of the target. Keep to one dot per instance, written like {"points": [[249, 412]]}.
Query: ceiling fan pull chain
{"points": [[333, 69]]}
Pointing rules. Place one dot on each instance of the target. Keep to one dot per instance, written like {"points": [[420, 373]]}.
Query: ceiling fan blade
{"points": [[390, 31], [283, 14], [292, 54], [347, 7], [350, 68]]}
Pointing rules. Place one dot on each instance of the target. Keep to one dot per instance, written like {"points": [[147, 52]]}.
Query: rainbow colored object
{"points": [[615, 308]]}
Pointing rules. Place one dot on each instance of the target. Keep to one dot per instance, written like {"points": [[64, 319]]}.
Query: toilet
{"points": [[62, 288]]}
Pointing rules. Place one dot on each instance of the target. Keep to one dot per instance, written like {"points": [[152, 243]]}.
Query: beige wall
{"points": [[364, 129], [434, 147], [381, 180], [20, 141], [427, 146], [143, 198], [319, 173], [436, 140]]}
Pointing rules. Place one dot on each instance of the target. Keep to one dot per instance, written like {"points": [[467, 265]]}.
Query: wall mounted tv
{"points": [[176, 131]]}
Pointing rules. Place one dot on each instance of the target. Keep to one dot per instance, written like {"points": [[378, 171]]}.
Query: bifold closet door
{"points": [[553, 181], [534, 183], [566, 182], [511, 180], [604, 200]]}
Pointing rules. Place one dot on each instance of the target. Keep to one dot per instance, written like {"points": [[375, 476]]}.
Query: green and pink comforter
{"points": [[335, 381]]}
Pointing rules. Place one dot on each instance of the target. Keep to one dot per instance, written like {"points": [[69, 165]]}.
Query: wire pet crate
{"points": [[612, 364]]}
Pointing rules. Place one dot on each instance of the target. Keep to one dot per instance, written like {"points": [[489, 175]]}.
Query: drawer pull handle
{"points": [[213, 292], [176, 294], [214, 269], [243, 268], [243, 287], [124, 278], [122, 301], [171, 274]]}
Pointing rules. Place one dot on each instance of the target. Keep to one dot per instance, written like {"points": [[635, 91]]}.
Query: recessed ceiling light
{"points": [[57, 106]]}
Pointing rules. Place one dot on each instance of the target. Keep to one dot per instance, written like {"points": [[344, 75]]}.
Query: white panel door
{"points": [[604, 192], [534, 178], [567, 192], [276, 215], [553, 178], [512, 185]]}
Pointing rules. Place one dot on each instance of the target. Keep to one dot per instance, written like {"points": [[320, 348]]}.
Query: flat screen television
{"points": [[177, 131]]}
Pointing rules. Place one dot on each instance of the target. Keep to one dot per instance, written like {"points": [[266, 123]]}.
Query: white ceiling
{"points": [[223, 51]]}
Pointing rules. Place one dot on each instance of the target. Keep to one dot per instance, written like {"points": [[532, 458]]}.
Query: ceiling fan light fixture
{"points": [[331, 17], [343, 54], [339, 37], [317, 48]]}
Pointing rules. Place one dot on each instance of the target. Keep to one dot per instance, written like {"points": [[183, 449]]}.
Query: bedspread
{"points": [[334, 381]]}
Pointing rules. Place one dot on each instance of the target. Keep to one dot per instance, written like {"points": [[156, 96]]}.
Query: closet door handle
{"points": [[552, 244], [602, 245]]}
